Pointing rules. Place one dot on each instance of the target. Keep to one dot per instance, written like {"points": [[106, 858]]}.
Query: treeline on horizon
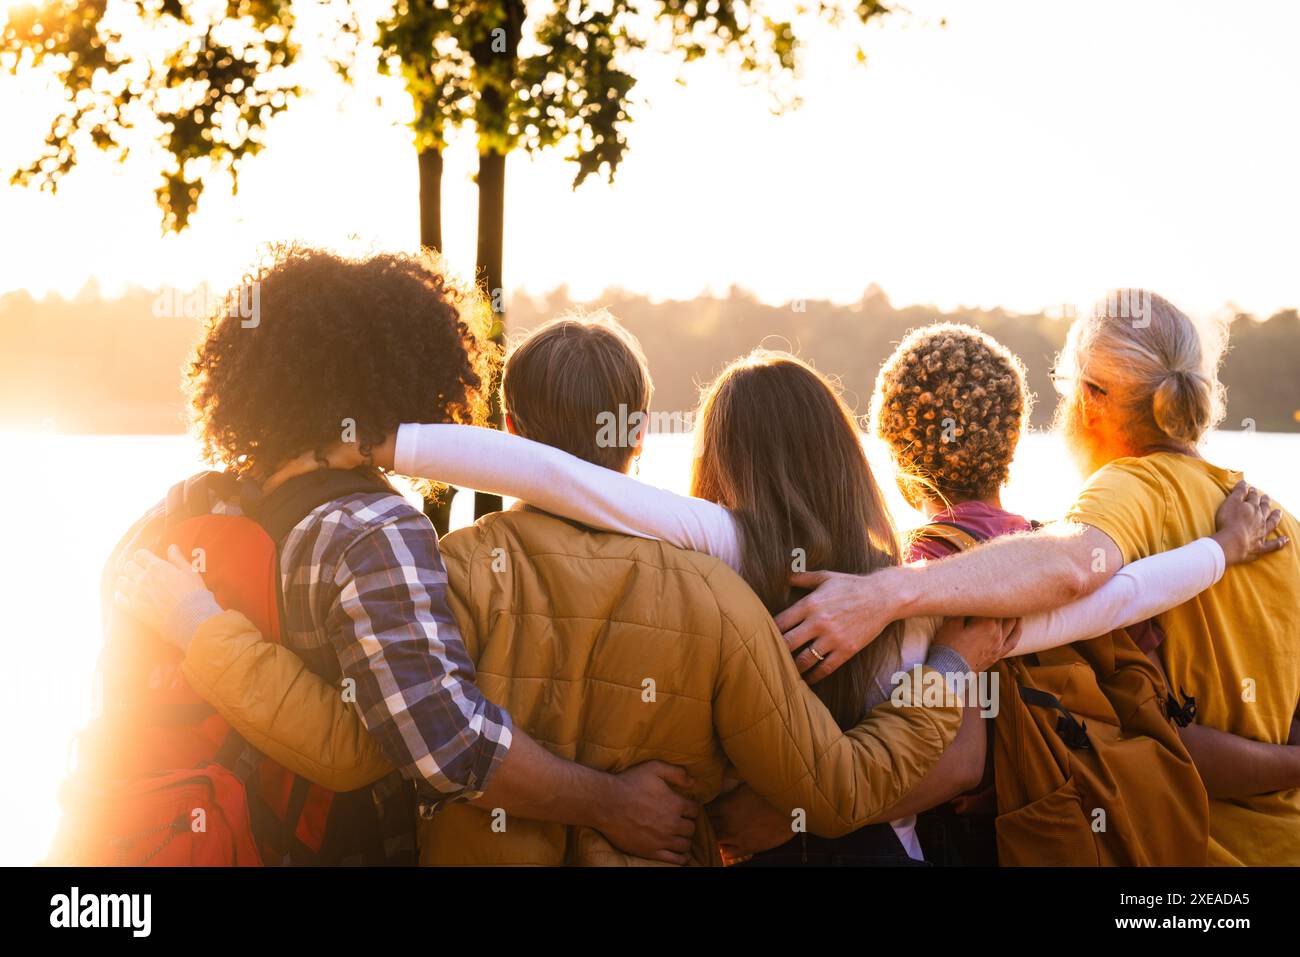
{"points": [[90, 364]]}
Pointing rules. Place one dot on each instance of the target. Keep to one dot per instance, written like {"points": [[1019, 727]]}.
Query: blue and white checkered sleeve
{"points": [[395, 636]]}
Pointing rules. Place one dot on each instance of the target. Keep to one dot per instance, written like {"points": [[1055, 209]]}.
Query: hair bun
{"points": [[1183, 405]]}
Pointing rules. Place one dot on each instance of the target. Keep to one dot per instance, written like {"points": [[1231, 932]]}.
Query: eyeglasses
{"points": [[1064, 384]]}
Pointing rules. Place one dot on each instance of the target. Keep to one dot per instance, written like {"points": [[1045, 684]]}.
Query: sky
{"points": [[1024, 153]]}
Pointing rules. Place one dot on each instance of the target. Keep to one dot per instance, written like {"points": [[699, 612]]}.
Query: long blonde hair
{"points": [[777, 446]]}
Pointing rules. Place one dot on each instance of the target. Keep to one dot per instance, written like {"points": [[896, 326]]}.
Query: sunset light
{"points": [[572, 433]]}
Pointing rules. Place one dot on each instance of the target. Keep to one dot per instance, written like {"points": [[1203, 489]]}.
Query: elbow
{"points": [[831, 826], [962, 766], [333, 772], [1076, 579], [355, 776], [1085, 559], [342, 780], [970, 772]]}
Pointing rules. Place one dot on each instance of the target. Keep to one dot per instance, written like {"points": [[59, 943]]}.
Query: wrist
{"points": [[1294, 752], [902, 592], [603, 799], [952, 667], [384, 455], [947, 660], [403, 449], [1227, 544], [188, 614]]}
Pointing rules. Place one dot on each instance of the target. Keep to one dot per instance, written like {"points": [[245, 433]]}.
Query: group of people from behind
{"points": [[611, 673]]}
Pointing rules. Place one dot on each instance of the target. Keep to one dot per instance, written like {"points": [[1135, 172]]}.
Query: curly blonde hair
{"points": [[951, 403]]}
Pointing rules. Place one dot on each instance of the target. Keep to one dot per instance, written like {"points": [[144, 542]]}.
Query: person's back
{"points": [[1235, 648], [359, 582], [614, 650]]}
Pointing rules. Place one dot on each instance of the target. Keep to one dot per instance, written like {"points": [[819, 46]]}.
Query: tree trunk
{"points": [[497, 55], [438, 510], [491, 239], [431, 199]]}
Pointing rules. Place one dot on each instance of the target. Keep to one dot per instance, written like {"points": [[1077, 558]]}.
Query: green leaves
{"points": [[535, 74], [573, 88], [204, 89]]}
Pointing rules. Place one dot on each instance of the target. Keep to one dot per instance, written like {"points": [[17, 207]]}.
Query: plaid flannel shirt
{"points": [[365, 598]]}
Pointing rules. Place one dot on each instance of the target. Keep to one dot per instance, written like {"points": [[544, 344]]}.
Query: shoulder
{"points": [[1129, 467], [363, 527], [538, 532], [354, 515], [557, 548], [1132, 480], [367, 510], [1126, 499]]}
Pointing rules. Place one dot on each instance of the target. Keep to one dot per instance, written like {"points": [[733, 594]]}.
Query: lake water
{"points": [[69, 508]]}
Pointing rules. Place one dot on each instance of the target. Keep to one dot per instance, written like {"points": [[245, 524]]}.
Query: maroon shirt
{"points": [[985, 521]]}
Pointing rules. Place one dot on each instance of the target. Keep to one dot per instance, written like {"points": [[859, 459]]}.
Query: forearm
{"points": [[535, 784], [958, 771], [1136, 593], [280, 706], [560, 483], [1235, 767], [1010, 577], [842, 780]]}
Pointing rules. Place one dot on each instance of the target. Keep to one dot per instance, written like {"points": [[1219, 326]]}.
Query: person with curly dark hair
{"points": [[314, 346], [315, 349]]}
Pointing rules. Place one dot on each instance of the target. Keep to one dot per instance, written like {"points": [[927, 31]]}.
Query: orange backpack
{"points": [[162, 778], [1088, 766]]}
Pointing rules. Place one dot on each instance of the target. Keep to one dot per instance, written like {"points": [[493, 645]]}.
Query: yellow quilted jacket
{"points": [[610, 651]]}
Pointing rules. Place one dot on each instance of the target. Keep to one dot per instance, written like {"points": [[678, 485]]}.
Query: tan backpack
{"points": [[1088, 766]]}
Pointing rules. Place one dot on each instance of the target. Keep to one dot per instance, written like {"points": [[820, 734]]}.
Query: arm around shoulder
{"points": [[270, 696]]}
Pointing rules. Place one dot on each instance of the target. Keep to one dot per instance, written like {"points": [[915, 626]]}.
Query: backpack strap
{"points": [[291, 830], [280, 511], [1181, 714], [196, 495], [957, 537], [1072, 731]]}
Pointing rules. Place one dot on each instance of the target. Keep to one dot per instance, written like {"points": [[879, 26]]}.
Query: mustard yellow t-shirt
{"points": [[1235, 647]]}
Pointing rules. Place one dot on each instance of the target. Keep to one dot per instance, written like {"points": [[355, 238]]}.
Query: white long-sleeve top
{"points": [[560, 483]]}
